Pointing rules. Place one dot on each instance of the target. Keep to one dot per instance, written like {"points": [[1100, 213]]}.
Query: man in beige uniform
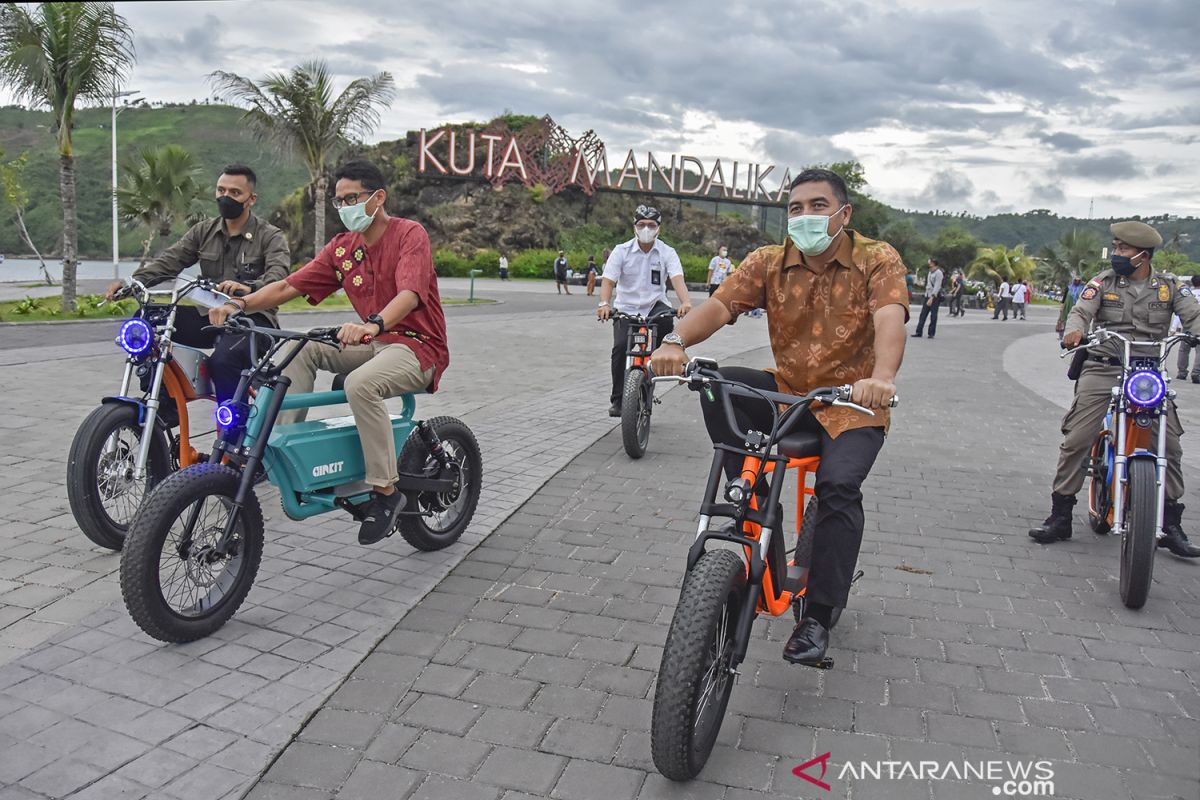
{"points": [[1134, 300]]}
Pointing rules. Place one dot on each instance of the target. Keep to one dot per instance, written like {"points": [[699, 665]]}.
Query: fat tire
{"points": [[413, 458], [83, 491], [1099, 488], [146, 538], [1140, 539], [633, 405], [718, 578]]}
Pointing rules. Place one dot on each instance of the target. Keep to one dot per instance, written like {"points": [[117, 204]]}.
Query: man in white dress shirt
{"points": [[639, 270]]}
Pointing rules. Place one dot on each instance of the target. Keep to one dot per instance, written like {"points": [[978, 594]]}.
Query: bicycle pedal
{"points": [[658, 401], [824, 663]]}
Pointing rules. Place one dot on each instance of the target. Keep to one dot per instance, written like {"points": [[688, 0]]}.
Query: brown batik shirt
{"points": [[820, 318]]}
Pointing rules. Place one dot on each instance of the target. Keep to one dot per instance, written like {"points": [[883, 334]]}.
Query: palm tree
{"points": [[298, 113], [158, 190], [1000, 263], [55, 54]]}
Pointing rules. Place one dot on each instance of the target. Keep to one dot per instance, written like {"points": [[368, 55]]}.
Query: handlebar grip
{"points": [[895, 401]]}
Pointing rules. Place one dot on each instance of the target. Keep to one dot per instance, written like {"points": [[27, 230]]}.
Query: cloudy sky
{"points": [[984, 107]]}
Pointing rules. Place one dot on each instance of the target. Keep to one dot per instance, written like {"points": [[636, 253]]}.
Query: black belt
{"points": [[1109, 360]]}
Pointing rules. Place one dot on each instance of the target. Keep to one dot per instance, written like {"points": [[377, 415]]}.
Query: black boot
{"points": [[1175, 539], [1058, 525]]}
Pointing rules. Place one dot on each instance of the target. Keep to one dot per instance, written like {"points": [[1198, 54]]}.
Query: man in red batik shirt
{"points": [[385, 267]]}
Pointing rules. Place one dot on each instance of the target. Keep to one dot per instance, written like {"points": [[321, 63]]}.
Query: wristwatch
{"points": [[603, 304], [674, 338], [378, 321]]}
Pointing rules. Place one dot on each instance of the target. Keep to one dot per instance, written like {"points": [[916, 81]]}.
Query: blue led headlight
{"points": [[225, 415], [1145, 388], [136, 337]]}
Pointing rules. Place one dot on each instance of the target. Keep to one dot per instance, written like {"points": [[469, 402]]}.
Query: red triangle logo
{"points": [[800, 772]]}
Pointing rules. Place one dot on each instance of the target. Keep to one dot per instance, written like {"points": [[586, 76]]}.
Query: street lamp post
{"points": [[115, 238]]}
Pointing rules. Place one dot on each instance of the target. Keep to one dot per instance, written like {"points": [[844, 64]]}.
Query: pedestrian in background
{"points": [[1020, 296], [933, 300], [1002, 299], [718, 269], [1185, 350], [958, 286], [560, 273], [591, 275], [503, 267]]}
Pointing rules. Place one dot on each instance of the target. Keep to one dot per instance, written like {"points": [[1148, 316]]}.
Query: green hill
{"points": [[211, 133], [459, 215]]}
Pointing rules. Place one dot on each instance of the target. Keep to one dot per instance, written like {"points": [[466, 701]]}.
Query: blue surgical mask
{"points": [[810, 232], [1123, 265], [355, 217]]}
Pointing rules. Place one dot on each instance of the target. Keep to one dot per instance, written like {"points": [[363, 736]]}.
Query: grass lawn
{"points": [[89, 306]]}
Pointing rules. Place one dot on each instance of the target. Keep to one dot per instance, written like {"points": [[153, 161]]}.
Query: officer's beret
{"points": [[1138, 234]]}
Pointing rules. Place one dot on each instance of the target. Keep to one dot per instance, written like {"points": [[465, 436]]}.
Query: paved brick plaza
{"points": [[528, 670]]}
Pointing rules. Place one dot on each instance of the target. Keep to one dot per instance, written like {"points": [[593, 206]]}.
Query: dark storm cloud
{"points": [[1110, 165], [1046, 194], [946, 187], [797, 150], [1068, 142], [744, 64]]}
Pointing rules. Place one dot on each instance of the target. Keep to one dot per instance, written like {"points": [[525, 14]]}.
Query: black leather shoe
{"points": [[614, 410], [1183, 376], [807, 644], [1175, 540], [1196, 377], [916, 336], [379, 516]]}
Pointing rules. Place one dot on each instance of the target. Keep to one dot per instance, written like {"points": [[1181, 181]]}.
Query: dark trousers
{"points": [[230, 352], [1001, 306], [620, 333], [929, 311], [845, 464]]}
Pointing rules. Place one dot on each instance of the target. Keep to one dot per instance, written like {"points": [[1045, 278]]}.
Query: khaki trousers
{"points": [[376, 372], [1084, 421]]}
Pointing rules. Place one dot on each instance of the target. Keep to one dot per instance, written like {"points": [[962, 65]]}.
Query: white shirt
{"points": [[1005, 289], [1020, 292], [641, 278], [503, 262], [719, 267]]}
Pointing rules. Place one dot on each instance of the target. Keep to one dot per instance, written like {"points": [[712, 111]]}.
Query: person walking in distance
{"points": [[1185, 350], [1020, 296], [560, 273], [718, 269], [591, 276], [503, 267], [1003, 298], [933, 300]]}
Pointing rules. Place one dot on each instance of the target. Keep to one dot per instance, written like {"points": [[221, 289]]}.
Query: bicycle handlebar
{"points": [[701, 374], [642, 320], [1101, 336]]}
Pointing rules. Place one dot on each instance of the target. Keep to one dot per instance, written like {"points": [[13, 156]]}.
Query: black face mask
{"points": [[230, 208], [1123, 266]]}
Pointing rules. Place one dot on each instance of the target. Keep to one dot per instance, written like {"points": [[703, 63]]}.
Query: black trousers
{"points": [[620, 332], [929, 311], [230, 352], [845, 463]]}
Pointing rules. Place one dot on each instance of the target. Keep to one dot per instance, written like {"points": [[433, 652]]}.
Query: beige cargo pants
{"points": [[375, 372]]}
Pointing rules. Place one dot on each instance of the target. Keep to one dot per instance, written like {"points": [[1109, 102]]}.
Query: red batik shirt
{"points": [[374, 276]]}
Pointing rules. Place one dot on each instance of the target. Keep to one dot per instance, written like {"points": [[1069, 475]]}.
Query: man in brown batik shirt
{"points": [[836, 306]]}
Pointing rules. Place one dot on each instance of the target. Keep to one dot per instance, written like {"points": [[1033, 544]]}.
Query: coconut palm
{"points": [[158, 190], [298, 113], [1000, 263], [55, 54]]}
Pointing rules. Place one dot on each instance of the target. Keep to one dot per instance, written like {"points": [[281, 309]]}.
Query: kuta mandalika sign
{"points": [[543, 153]]}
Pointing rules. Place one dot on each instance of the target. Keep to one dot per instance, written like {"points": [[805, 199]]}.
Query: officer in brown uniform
{"points": [[1134, 300]]}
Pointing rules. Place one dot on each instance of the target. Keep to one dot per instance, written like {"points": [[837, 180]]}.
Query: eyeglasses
{"points": [[352, 199]]}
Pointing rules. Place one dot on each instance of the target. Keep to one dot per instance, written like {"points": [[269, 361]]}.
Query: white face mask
{"points": [[646, 235], [722, 253]]}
